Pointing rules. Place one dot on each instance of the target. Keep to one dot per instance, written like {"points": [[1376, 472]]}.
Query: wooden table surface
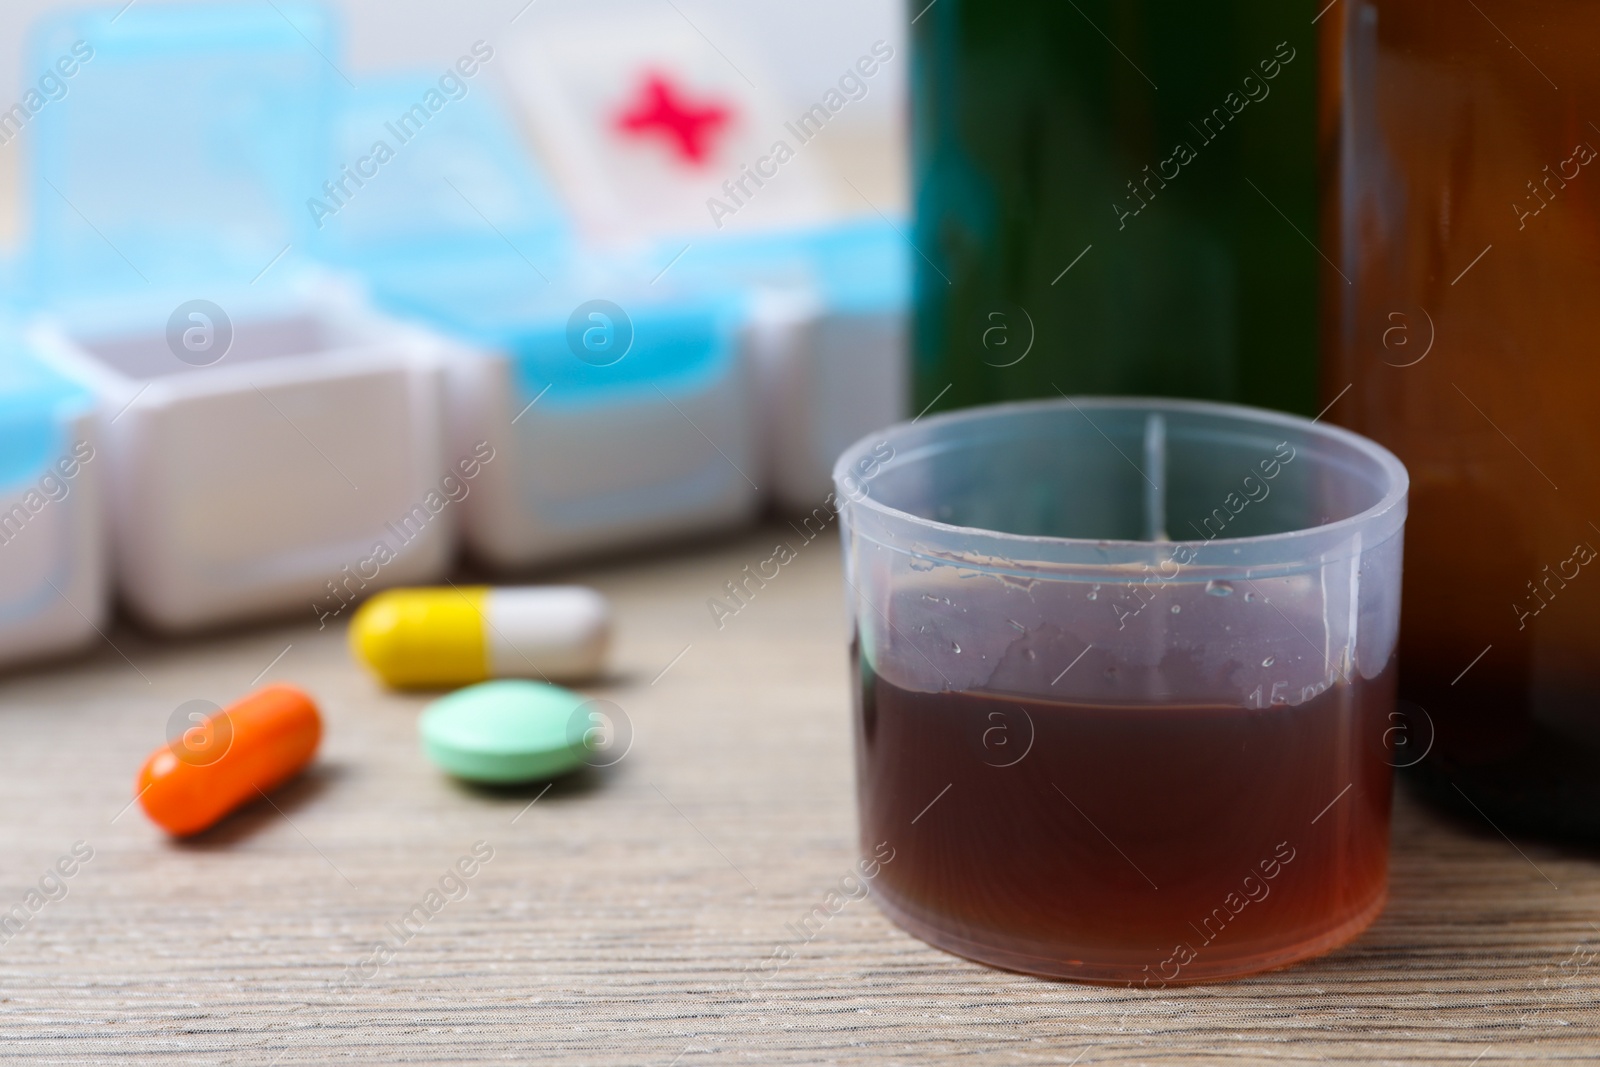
{"points": [[621, 912]]}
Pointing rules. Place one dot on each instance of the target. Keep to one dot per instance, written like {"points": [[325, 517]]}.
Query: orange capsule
{"points": [[229, 758]]}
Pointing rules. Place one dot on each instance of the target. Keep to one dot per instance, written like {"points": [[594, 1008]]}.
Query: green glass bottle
{"points": [[1115, 197]]}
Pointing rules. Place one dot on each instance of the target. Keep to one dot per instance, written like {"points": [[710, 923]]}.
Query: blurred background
{"points": [[797, 50]]}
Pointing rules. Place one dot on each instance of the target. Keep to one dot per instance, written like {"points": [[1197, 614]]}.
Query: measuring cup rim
{"points": [[1383, 519]]}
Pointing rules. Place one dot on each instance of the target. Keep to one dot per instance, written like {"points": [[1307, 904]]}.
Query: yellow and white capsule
{"points": [[441, 637]]}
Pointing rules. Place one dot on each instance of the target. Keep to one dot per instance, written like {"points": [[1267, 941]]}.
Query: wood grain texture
{"points": [[623, 914]]}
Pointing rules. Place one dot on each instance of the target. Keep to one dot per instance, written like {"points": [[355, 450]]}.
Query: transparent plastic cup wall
{"points": [[1124, 683]]}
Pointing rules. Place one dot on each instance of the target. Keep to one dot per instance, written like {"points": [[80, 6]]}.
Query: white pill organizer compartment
{"points": [[830, 340], [52, 552], [642, 433], [593, 454], [269, 440]]}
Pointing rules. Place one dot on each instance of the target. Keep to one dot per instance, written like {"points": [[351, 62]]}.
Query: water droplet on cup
{"points": [[1269, 661], [1216, 588]]}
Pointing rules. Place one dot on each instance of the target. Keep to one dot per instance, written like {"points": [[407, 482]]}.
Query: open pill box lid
{"points": [[445, 179], [460, 230], [180, 158]]}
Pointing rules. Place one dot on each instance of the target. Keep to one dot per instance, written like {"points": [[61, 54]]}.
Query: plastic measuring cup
{"points": [[1125, 683]]}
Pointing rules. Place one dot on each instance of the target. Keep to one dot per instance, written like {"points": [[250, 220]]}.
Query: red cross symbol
{"points": [[687, 127]]}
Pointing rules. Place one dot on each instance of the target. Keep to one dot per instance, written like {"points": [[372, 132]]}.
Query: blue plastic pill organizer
{"points": [[265, 431], [830, 340], [656, 141], [618, 409], [272, 441], [52, 557], [621, 420]]}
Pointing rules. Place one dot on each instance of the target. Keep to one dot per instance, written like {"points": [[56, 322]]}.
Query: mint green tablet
{"points": [[506, 731]]}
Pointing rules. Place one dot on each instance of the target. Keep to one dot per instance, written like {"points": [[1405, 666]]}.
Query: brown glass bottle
{"points": [[1463, 213]]}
